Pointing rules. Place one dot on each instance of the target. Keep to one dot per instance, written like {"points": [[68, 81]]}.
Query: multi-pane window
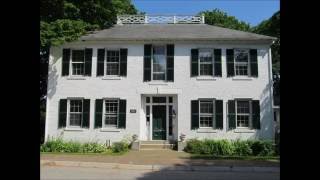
{"points": [[75, 115], [243, 113], [111, 113], [77, 62], [113, 61], [205, 62], [206, 113], [241, 62], [159, 63]]}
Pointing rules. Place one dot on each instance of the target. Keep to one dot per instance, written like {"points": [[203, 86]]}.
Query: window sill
{"points": [[242, 78], [244, 130], [109, 130], [73, 129], [76, 78], [207, 130], [206, 78], [111, 78]]}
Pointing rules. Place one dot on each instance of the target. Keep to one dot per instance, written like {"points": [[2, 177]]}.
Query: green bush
{"points": [[118, 147], [58, 145], [230, 148]]}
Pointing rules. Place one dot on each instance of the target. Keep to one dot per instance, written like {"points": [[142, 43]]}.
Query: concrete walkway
{"points": [[160, 157]]}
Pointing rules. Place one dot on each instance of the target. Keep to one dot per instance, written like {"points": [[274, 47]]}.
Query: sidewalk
{"points": [[156, 160]]}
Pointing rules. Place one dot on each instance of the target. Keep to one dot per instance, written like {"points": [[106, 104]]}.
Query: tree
{"points": [[219, 18], [66, 20]]}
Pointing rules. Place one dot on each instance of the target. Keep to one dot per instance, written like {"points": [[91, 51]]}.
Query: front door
{"points": [[159, 122]]}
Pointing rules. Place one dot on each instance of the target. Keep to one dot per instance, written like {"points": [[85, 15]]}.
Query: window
{"points": [[205, 62], [206, 113], [159, 63], [77, 62], [75, 115], [159, 99], [111, 113], [241, 62], [243, 113], [113, 61]]}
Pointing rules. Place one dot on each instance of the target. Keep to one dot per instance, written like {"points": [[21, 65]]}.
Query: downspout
{"points": [[271, 89]]}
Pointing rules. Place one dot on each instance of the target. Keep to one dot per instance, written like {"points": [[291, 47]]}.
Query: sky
{"points": [[250, 11]]}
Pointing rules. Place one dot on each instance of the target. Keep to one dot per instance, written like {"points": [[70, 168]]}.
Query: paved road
{"points": [[81, 173]]}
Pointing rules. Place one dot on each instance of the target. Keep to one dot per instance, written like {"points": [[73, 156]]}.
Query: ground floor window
{"points": [[206, 113], [243, 113], [75, 113], [111, 112]]}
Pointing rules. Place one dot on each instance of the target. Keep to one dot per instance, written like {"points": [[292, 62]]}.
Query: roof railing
{"points": [[160, 19]]}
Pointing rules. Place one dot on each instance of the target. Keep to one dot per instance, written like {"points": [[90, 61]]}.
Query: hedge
{"points": [[230, 148]]}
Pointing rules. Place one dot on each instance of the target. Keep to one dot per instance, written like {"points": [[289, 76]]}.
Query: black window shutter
{"points": [[230, 62], [100, 62], [88, 61], [98, 113], [147, 62], [170, 62], [254, 62], [122, 113], [219, 114], [217, 63], [65, 61], [255, 114], [123, 62], [86, 113], [194, 62], [194, 114], [62, 113], [232, 114]]}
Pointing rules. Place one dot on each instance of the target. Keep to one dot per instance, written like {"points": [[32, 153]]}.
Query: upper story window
{"points": [[241, 62], [159, 63], [77, 62], [113, 62], [206, 62]]}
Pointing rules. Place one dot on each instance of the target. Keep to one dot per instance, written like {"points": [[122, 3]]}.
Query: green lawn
{"points": [[267, 158]]}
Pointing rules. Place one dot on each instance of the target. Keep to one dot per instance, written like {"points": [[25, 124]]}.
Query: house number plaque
{"points": [[133, 111]]}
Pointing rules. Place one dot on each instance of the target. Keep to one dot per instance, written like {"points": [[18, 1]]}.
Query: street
{"points": [[79, 173]]}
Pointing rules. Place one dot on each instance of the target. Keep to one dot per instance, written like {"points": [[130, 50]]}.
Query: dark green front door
{"points": [[159, 122]]}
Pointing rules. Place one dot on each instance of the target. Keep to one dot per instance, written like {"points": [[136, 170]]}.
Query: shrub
{"points": [[118, 147], [262, 148], [230, 148], [242, 148], [58, 145]]}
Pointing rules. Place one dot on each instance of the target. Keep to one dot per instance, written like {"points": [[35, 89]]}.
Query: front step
{"points": [[155, 145]]}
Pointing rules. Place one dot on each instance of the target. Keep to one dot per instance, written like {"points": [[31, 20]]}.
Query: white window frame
{"points": [[71, 62], [165, 54], [250, 113], [68, 112], [104, 126], [235, 63], [212, 61], [105, 63], [213, 113]]}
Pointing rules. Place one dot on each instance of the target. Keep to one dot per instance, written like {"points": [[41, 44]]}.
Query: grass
{"points": [[108, 152]]}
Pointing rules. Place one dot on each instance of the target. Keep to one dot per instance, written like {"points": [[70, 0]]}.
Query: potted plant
{"points": [[134, 137], [182, 137]]}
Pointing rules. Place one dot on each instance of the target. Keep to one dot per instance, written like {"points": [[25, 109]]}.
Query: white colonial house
{"points": [[158, 77]]}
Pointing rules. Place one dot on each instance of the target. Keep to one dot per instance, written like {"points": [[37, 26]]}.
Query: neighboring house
{"points": [[158, 77]]}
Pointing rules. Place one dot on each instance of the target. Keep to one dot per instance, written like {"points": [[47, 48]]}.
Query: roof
{"points": [[172, 32]]}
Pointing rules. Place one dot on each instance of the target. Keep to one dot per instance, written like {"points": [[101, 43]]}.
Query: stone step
{"points": [[155, 142], [155, 146]]}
